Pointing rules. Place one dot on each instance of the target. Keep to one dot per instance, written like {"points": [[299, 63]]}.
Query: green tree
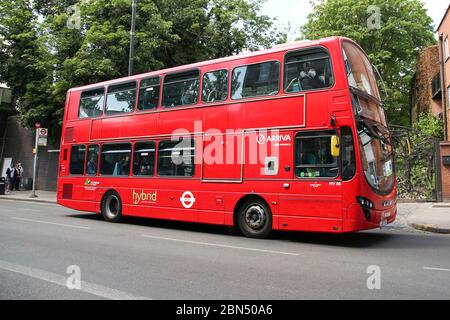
{"points": [[24, 63], [393, 46]]}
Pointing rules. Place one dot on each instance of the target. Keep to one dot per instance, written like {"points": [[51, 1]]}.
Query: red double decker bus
{"points": [[290, 138]]}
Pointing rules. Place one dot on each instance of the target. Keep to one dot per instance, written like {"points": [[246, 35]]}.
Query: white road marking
{"points": [[57, 279], [52, 223], [436, 269], [221, 245]]}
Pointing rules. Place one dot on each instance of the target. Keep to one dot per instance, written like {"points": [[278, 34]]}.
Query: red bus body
{"points": [[311, 204]]}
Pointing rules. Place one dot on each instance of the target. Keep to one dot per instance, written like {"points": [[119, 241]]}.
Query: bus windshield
{"points": [[377, 155], [360, 72]]}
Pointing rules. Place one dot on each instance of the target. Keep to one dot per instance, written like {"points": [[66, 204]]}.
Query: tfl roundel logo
{"points": [[187, 199]]}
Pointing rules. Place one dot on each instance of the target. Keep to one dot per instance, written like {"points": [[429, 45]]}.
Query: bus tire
{"points": [[255, 219], [112, 207]]}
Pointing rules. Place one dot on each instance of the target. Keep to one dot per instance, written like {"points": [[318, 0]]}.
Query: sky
{"points": [[296, 11]]}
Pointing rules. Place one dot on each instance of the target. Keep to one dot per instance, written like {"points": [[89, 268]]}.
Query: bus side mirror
{"points": [[335, 147]]}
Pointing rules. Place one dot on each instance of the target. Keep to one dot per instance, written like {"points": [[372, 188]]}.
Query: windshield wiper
{"points": [[374, 133]]}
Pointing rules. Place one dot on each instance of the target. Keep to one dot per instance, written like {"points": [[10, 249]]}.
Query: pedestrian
{"points": [[16, 178], [21, 175], [10, 177]]}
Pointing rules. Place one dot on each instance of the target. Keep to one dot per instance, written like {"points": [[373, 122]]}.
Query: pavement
{"points": [[424, 216], [42, 196], [431, 217], [45, 247]]}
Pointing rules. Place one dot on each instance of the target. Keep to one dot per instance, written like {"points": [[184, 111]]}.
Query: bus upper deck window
{"points": [[215, 86], [181, 89], [307, 70], [261, 79], [149, 94], [121, 98], [91, 103]]}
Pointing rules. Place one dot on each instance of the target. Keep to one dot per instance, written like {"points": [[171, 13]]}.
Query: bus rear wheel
{"points": [[255, 219], [112, 207]]}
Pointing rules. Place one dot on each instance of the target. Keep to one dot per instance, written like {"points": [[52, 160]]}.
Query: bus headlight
{"points": [[366, 205]]}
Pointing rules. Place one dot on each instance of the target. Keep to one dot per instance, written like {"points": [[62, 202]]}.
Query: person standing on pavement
{"points": [[16, 178], [10, 177], [21, 175]]}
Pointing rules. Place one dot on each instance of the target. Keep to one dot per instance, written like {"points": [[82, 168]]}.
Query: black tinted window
{"points": [[215, 86], [77, 155], [144, 159], [256, 80], [115, 159], [307, 70], [149, 94], [348, 154], [181, 89], [91, 103], [176, 158], [121, 98]]}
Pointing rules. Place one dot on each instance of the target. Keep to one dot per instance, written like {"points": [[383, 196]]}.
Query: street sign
{"points": [[43, 135]]}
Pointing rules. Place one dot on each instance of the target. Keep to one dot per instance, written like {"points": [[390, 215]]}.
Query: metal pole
{"points": [[132, 32], [36, 148]]}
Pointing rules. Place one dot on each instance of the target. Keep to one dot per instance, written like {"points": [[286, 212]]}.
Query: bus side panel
{"points": [[248, 115], [288, 223]]}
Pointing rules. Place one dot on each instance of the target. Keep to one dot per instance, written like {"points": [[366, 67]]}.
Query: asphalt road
{"points": [[152, 259]]}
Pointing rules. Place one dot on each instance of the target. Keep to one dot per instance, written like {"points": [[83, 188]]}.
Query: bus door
{"points": [[315, 193]]}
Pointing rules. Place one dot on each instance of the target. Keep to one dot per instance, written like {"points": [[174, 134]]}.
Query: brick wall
{"points": [[444, 29], [445, 151], [19, 146]]}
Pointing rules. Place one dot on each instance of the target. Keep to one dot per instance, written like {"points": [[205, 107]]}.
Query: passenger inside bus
{"points": [[309, 70], [309, 79], [92, 165]]}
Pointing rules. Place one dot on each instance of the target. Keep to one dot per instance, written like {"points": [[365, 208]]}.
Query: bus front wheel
{"points": [[255, 219], [112, 207]]}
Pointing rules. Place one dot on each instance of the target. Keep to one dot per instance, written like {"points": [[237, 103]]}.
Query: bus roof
{"points": [[277, 48]]}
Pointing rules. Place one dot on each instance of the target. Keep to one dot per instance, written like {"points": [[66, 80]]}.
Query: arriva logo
{"points": [[275, 138], [144, 197]]}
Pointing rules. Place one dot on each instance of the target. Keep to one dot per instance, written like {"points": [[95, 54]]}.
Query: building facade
{"points": [[444, 58]]}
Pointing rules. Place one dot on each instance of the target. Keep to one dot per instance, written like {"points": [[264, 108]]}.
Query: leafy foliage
{"points": [[416, 157], [405, 29]]}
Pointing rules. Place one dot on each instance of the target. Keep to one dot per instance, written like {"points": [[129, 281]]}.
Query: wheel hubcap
{"points": [[255, 217], [112, 206]]}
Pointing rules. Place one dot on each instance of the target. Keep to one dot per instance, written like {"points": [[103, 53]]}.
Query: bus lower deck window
{"points": [[77, 155], [313, 157], [176, 158], [115, 159], [144, 159]]}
